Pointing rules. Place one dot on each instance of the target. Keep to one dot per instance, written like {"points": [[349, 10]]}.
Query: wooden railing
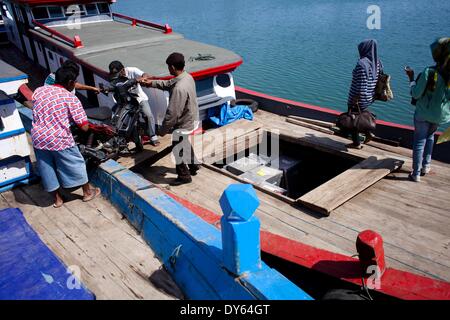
{"points": [[75, 42], [134, 22]]}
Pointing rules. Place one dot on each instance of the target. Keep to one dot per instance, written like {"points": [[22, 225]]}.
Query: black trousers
{"points": [[355, 133], [185, 159]]}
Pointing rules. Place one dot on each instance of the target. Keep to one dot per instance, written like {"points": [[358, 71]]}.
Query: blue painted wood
{"points": [[241, 245], [239, 202], [270, 284], [111, 167], [12, 133], [26, 115], [28, 268], [240, 229], [190, 260], [197, 266]]}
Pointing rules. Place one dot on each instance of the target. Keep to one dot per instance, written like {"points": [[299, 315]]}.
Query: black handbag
{"points": [[361, 121]]}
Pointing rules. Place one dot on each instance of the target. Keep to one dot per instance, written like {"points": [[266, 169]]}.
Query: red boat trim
{"points": [[134, 22], [396, 283], [198, 75], [26, 92], [75, 42], [316, 108]]}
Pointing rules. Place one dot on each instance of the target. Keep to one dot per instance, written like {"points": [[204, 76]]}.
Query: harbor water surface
{"points": [[305, 50]]}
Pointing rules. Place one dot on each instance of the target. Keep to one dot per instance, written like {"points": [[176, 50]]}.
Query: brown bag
{"points": [[361, 121], [383, 91]]}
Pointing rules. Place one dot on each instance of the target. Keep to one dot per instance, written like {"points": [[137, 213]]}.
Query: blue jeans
{"points": [[65, 167], [151, 120], [423, 143]]}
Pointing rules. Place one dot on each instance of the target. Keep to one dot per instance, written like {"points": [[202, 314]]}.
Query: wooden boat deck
{"points": [[413, 218], [114, 261]]}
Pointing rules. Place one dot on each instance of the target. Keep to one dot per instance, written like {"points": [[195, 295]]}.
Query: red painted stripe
{"points": [[76, 41], [198, 75], [316, 108], [166, 28], [395, 283], [26, 92]]}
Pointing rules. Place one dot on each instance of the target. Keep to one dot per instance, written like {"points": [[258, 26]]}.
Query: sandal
{"points": [[58, 206], [353, 146], [94, 193]]}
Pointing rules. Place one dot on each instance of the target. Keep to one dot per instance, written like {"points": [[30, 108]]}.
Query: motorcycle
{"points": [[111, 130]]}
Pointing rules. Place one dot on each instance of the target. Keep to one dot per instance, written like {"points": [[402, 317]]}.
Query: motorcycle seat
{"points": [[101, 113]]}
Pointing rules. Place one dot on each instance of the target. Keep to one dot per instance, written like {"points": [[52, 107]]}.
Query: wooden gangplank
{"points": [[218, 144], [150, 152], [210, 147], [347, 185]]}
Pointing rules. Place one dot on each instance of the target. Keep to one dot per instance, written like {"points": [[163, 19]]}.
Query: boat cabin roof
{"points": [[9, 73], [139, 46]]}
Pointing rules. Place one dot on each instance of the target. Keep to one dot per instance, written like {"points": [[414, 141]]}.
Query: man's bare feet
{"points": [[91, 194], [58, 201]]}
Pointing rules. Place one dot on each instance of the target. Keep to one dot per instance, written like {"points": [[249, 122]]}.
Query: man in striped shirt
{"points": [[364, 82], [58, 159]]}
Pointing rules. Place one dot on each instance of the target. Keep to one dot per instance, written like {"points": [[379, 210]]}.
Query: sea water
{"points": [[305, 50]]}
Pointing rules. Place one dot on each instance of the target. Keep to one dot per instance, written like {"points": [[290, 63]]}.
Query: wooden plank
{"points": [[309, 125], [345, 186], [319, 123], [147, 154], [233, 146], [216, 138]]}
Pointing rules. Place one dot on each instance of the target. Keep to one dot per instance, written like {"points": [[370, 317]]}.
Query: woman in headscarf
{"points": [[364, 81], [431, 96]]}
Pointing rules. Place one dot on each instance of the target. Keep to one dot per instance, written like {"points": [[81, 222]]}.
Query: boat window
{"points": [[55, 12], [74, 9], [40, 13], [103, 8], [91, 9], [223, 80], [50, 55]]}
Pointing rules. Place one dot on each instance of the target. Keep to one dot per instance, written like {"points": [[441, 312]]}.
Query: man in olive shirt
{"points": [[182, 116]]}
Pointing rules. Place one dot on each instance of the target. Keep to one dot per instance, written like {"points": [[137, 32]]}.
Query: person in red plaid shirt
{"points": [[59, 161]]}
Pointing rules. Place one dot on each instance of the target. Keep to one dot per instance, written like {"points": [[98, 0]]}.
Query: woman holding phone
{"points": [[431, 95]]}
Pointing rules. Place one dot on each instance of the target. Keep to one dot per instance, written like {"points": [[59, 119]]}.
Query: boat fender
{"points": [[343, 294], [246, 102]]}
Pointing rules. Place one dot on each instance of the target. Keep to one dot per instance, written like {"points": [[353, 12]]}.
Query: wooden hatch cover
{"points": [[350, 183]]}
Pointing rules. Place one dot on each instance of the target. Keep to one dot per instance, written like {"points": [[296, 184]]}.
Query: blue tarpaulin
{"points": [[227, 114], [29, 270]]}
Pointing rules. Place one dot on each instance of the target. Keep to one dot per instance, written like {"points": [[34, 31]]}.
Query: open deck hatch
{"points": [[298, 171]]}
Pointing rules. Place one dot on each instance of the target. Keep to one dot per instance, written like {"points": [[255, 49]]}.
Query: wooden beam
{"points": [[319, 123], [345, 186], [309, 126], [150, 152]]}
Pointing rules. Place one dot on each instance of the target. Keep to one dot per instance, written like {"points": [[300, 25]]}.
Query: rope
{"points": [[202, 57], [174, 256]]}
